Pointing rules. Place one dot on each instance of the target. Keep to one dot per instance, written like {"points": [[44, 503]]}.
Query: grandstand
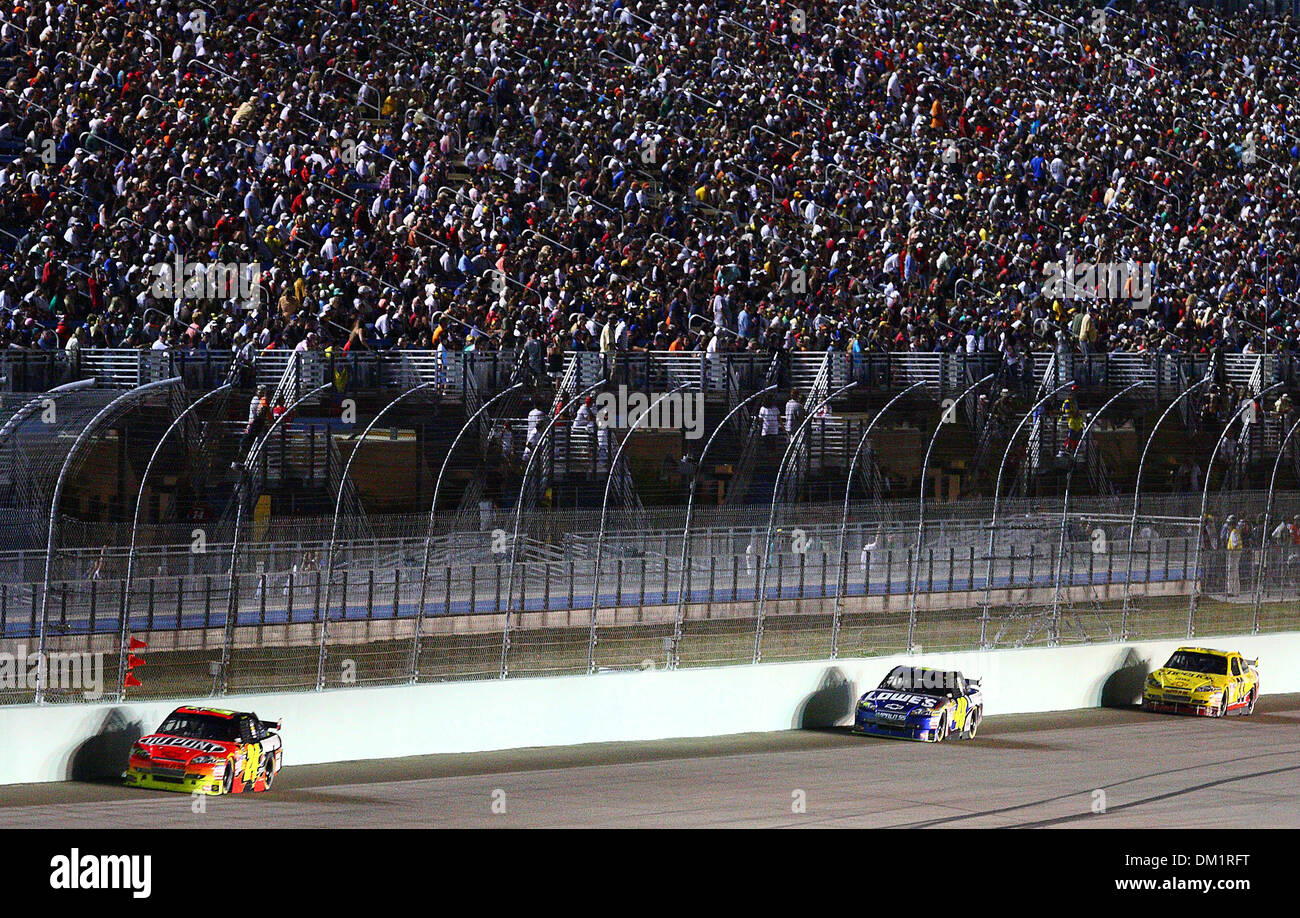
{"points": [[448, 228]]}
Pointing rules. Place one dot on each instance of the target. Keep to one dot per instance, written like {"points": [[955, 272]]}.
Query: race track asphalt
{"points": [[1040, 770]]}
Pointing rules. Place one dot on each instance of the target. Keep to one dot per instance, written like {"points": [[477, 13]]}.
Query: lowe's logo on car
{"points": [[184, 743], [103, 871], [899, 696]]}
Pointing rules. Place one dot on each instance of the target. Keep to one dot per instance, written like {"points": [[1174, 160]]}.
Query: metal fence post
{"points": [[1137, 497], [841, 580], [1268, 512], [338, 506], [1205, 502], [256, 454], [135, 524], [796, 440], [117, 404], [538, 446], [914, 575], [604, 517], [997, 494]]}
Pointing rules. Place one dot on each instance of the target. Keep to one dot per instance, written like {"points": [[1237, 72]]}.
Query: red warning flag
{"points": [[131, 681], [137, 644]]}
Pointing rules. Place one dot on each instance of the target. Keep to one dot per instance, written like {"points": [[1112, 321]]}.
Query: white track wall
{"points": [[67, 741]]}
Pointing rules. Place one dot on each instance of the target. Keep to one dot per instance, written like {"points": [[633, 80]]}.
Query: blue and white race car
{"points": [[917, 703]]}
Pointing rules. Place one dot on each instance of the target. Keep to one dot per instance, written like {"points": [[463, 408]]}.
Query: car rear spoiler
{"points": [[1254, 662], [272, 726], [973, 681]]}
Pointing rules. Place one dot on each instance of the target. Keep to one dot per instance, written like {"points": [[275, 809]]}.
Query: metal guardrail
{"points": [[453, 371], [192, 601]]}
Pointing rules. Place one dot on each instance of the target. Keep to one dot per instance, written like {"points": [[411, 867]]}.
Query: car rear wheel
{"points": [[268, 773], [1250, 704], [973, 727], [228, 779]]}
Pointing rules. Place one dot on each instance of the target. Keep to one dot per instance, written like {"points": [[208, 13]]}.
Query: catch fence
{"points": [[836, 585]]}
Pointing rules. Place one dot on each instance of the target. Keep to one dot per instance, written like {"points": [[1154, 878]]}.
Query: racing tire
{"points": [[973, 726], [228, 780], [943, 729], [268, 773], [1250, 705]]}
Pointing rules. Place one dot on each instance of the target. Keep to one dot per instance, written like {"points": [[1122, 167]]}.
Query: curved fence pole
{"points": [[997, 494], [673, 654], [796, 439], [125, 609], [1065, 508], [428, 535], [914, 563], [334, 529], [232, 604], [604, 515], [1205, 503], [1268, 511], [1137, 497], [40, 402], [86, 432], [838, 614], [537, 448]]}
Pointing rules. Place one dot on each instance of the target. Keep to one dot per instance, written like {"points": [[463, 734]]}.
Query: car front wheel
{"points": [[942, 730]]}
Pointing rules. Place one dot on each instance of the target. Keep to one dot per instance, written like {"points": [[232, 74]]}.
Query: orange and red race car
{"points": [[207, 751]]}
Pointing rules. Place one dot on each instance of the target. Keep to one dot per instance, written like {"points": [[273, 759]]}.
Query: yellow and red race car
{"points": [[201, 750], [1196, 680]]}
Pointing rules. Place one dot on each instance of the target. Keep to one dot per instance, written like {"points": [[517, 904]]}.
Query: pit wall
{"points": [[90, 741]]}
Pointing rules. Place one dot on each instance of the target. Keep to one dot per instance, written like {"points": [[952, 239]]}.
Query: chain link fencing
{"points": [[289, 628]]}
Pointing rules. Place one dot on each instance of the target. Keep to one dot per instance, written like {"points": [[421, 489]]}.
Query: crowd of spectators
{"points": [[646, 174]]}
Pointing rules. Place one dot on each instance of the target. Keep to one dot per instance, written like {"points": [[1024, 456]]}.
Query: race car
{"points": [[921, 704], [1196, 680], [201, 750]]}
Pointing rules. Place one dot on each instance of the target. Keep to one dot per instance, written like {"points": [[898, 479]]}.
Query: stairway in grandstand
{"points": [[496, 446], [760, 457], [301, 466]]}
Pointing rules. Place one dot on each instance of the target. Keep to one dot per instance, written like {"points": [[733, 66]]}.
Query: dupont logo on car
{"points": [[197, 745]]}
